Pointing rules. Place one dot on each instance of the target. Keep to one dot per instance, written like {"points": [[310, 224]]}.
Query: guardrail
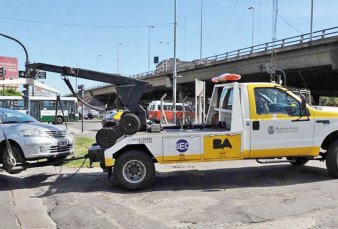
{"points": [[300, 39]]}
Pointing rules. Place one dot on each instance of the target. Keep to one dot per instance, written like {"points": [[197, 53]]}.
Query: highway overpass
{"points": [[316, 60]]}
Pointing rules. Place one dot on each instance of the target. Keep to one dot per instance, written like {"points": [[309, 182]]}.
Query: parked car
{"points": [[31, 140], [112, 118], [89, 114], [154, 111]]}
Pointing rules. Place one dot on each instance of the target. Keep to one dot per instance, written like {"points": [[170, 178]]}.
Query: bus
{"points": [[43, 108]]}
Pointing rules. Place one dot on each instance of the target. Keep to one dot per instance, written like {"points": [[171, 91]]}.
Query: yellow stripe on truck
{"points": [[263, 153], [301, 151]]}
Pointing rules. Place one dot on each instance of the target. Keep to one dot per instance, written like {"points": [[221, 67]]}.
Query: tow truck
{"points": [[261, 121]]}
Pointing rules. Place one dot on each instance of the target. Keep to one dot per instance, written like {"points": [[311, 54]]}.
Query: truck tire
{"points": [[332, 159], [106, 137], [6, 161], [134, 170], [299, 161], [130, 124]]}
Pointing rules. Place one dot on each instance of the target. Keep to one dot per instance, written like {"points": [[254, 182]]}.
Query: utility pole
{"points": [[149, 27], [311, 24], [175, 70], [201, 38], [253, 24], [274, 38]]}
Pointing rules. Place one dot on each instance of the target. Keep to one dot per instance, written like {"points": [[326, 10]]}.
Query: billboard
{"points": [[11, 66]]}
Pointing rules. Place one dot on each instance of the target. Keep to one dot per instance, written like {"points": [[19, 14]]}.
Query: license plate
{"points": [[62, 143]]}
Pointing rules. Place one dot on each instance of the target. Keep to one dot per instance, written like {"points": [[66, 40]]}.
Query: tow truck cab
{"points": [[244, 121]]}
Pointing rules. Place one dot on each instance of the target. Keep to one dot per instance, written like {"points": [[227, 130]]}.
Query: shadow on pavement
{"points": [[204, 180]]}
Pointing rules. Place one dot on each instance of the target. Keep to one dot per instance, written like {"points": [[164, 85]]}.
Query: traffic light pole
{"points": [[26, 66]]}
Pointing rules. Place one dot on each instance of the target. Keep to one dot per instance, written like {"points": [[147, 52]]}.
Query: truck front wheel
{"points": [[332, 159], [134, 170]]}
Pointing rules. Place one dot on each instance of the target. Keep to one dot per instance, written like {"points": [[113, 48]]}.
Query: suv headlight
{"points": [[31, 133]]}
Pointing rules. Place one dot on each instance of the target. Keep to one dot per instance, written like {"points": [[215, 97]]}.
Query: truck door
{"points": [[276, 127]]}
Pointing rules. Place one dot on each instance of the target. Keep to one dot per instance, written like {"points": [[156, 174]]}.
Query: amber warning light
{"points": [[226, 77]]}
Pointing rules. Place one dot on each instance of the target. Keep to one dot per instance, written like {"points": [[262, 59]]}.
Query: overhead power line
{"points": [[289, 24], [79, 25]]}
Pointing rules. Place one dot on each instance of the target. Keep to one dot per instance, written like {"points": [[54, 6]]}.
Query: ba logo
{"points": [[182, 145], [218, 144], [271, 130]]}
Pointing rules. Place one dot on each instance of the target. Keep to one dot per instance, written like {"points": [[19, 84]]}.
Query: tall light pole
{"points": [[98, 61], [311, 33], [253, 24], [149, 27], [175, 70], [201, 39], [117, 57], [165, 43]]}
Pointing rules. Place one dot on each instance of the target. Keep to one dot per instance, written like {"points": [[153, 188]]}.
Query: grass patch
{"points": [[81, 148]]}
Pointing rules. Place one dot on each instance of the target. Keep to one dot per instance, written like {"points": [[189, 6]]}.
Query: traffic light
{"points": [[25, 94], [80, 90]]}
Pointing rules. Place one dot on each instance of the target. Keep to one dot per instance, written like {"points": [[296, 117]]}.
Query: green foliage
{"points": [[10, 92], [81, 148]]}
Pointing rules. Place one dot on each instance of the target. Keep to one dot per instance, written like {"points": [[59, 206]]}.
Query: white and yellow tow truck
{"points": [[245, 121]]}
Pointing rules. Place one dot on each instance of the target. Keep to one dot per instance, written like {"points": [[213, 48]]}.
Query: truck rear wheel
{"points": [[130, 123], [134, 170], [332, 159]]}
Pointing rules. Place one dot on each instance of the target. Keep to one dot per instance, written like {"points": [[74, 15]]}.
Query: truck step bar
{"points": [[274, 161]]}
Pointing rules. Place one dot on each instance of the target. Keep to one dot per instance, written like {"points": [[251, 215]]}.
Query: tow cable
{"points": [[12, 160]]}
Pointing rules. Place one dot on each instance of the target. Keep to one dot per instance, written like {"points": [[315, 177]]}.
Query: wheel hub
{"points": [[134, 171]]}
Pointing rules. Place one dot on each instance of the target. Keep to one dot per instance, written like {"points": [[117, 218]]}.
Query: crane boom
{"points": [[128, 89]]}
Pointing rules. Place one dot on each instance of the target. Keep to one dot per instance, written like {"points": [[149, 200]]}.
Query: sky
{"points": [[91, 34]]}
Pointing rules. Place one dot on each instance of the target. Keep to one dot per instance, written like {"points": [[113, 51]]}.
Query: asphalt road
{"points": [[90, 127], [234, 194]]}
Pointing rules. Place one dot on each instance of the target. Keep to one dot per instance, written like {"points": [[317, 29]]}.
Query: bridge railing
{"points": [[317, 35], [303, 38]]}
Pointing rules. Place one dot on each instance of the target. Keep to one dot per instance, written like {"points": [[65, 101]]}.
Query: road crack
{"points": [[14, 206]]}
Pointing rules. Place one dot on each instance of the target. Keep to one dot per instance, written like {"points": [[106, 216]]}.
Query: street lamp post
{"points": [[117, 57], [201, 42], [149, 27], [165, 43], [253, 24], [175, 70], [311, 24]]}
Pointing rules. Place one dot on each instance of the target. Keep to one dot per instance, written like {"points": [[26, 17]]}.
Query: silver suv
{"points": [[32, 140]]}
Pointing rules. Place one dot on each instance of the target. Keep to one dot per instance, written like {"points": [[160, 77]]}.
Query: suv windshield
{"points": [[10, 116]]}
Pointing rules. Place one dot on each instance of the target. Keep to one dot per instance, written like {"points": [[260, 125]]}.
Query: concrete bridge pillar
{"points": [[181, 96]]}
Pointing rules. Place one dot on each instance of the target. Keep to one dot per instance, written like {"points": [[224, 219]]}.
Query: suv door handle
{"points": [[255, 125]]}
